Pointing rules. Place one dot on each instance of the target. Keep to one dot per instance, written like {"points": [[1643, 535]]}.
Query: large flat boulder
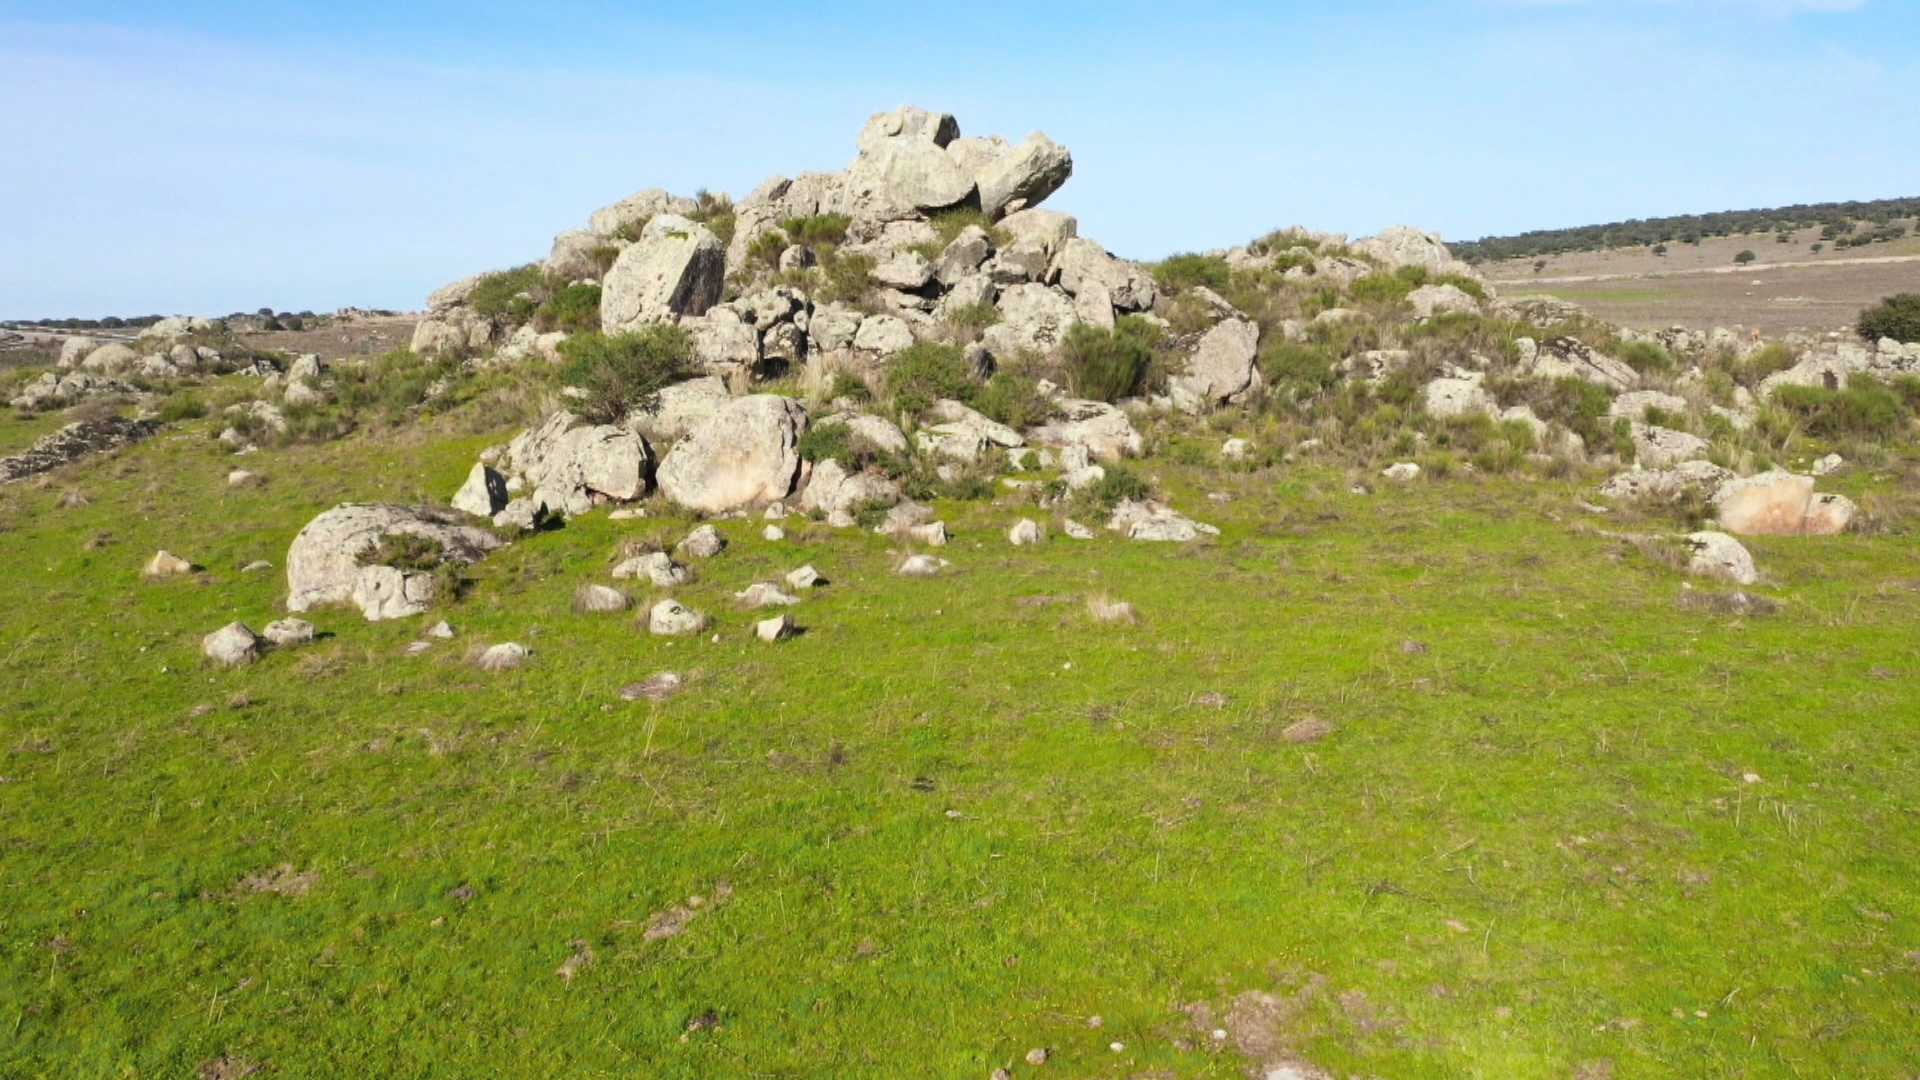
{"points": [[676, 268], [325, 562], [1780, 503], [744, 455], [1023, 175]]}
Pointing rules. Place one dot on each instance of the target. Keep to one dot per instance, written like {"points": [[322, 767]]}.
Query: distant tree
{"points": [[1743, 258], [1539, 265], [1817, 247], [1659, 249]]}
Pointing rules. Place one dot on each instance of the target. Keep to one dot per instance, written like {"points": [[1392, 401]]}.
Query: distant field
{"points": [[1767, 298]]}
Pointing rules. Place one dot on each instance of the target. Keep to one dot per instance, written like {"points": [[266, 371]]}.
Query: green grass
{"points": [[956, 821]]}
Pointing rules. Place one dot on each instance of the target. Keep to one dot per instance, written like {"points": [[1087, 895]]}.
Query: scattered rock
{"points": [[1075, 530], [804, 578], [440, 630], [1402, 471], [1105, 609], [1715, 554], [483, 495], [502, 657], [702, 543], [1156, 522], [231, 646], [165, 564], [1829, 465], [1024, 532], [921, 566], [1780, 503], [1431, 300], [288, 633], [760, 594], [657, 567], [599, 600], [673, 618], [773, 533], [778, 628], [1222, 366], [73, 442], [1658, 447]]}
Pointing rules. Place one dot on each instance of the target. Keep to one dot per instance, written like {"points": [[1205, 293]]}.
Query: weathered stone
{"points": [[1083, 264], [831, 489], [609, 221], [746, 453], [1102, 428], [599, 600], [681, 408], [963, 255], [876, 431], [1403, 245], [1431, 300], [778, 628], [1658, 447], [672, 618], [1665, 485], [1634, 404], [921, 566], [657, 567], [1405, 470], [1446, 398], [1024, 532], [1023, 176], [1567, 357], [1221, 367], [676, 268], [287, 633], [231, 646], [324, 562], [1715, 554], [804, 578], [1155, 522], [503, 657], [166, 564], [1034, 318], [903, 167], [703, 542], [760, 594], [904, 270], [572, 466], [883, 335], [572, 257], [1770, 504], [483, 495]]}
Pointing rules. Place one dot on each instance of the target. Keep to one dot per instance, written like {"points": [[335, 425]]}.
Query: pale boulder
{"points": [[324, 562], [1023, 176], [231, 646], [483, 495], [1715, 554], [747, 453], [676, 268], [672, 618], [1431, 300], [1222, 365]]}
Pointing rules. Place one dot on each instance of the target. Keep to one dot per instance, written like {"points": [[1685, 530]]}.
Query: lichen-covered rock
{"points": [[1715, 554], [676, 268], [1023, 175], [681, 408], [231, 646], [1222, 366], [1102, 428], [672, 618], [832, 489], [324, 562], [1658, 447], [484, 494], [570, 466], [1431, 300]]}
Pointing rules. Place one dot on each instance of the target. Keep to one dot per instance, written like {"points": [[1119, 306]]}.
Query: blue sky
{"points": [[211, 157]]}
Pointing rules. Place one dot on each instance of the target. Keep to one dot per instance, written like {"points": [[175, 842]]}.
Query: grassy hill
{"points": [[1842, 224]]}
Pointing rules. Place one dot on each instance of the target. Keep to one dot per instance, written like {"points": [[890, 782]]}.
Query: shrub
{"points": [[500, 294], [950, 223], [848, 279], [1106, 365], [1464, 283], [626, 371], [919, 375], [839, 443], [182, 407], [1866, 409], [1645, 356], [1381, 288], [1743, 258], [1763, 362], [388, 389], [715, 212], [818, 230], [1120, 484], [851, 387], [971, 319], [765, 249], [1013, 400], [1896, 317], [1581, 407], [1185, 271], [574, 309], [1306, 367], [404, 552]]}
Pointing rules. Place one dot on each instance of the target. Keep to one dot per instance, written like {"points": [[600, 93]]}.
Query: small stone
{"points": [[1023, 533], [241, 477], [599, 600], [1405, 470], [774, 532], [1116, 1047], [1411, 647], [703, 543], [256, 566], [165, 564], [1075, 530], [671, 617], [657, 567], [1037, 1056], [503, 657], [921, 566], [804, 578], [1750, 778], [440, 630], [778, 628], [1000, 1074], [289, 632], [415, 648], [932, 534], [760, 594], [231, 646], [629, 514]]}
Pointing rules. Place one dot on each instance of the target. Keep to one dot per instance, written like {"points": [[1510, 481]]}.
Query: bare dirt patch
{"points": [[366, 336], [282, 880]]}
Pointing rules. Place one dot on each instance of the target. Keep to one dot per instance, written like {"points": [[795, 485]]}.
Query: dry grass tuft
{"points": [[1104, 609]]}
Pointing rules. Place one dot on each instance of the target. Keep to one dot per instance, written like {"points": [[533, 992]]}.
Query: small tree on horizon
{"points": [[1743, 258]]}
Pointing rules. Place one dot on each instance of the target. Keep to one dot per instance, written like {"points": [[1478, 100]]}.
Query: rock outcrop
{"points": [[746, 454], [330, 560]]}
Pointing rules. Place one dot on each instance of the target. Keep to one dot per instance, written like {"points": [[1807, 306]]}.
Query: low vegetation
{"points": [[1896, 317], [1834, 219], [619, 373]]}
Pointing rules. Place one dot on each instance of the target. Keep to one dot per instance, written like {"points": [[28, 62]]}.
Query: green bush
{"points": [[1012, 400], [818, 230], [848, 279], [1304, 367], [1107, 365], [574, 309], [1120, 484], [1645, 356], [626, 371], [1581, 407], [839, 443], [500, 294], [1866, 409], [1743, 258], [973, 318], [1896, 317], [851, 387], [389, 388], [182, 407], [1381, 288], [1763, 362], [716, 213], [1465, 284], [919, 375], [950, 223], [1185, 271], [765, 249]]}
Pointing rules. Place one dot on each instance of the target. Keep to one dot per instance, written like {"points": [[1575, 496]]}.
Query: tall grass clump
{"points": [[1107, 365]]}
